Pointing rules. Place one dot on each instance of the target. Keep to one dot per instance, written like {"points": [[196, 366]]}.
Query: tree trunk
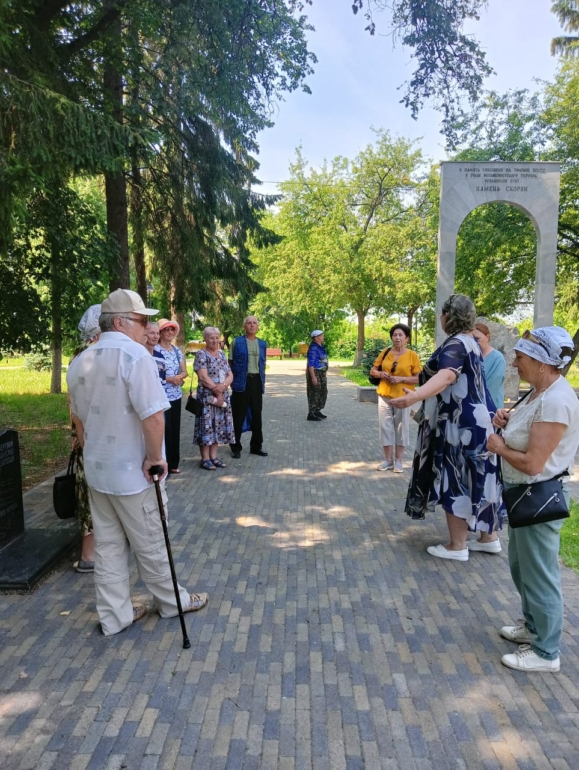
{"points": [[56, 331], [116, 194], [138, 231], [410, 319], [115, 182], [180, 318], [574, 354], [361, 337]]}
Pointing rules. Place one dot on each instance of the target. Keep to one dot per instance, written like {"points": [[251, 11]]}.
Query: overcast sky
{"points": [[356, 80]]}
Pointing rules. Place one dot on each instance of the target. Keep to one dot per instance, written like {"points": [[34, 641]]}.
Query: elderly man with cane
{"points": [[117, 396]]}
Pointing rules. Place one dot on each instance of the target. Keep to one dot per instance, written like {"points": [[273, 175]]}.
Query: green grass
{"points": [[569, 552], [9, 362], [355, 374], [41, 419]]}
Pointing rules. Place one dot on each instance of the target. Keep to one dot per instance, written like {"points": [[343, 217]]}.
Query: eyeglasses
{"points": [[528, 336], [394, 365], [142, 319]]}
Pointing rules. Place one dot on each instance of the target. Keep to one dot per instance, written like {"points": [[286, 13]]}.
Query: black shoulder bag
{"points": [[64, 491], [193, 404], [536, 503]]}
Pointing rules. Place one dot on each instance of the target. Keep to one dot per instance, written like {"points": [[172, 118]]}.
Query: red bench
{"points": [[271, 352]]}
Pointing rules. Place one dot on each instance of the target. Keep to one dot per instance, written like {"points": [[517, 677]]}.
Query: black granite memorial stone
{"points": [[11, 507], [26, 555]]}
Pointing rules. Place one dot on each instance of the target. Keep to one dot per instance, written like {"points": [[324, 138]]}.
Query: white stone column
{"points": [[445, 274]]}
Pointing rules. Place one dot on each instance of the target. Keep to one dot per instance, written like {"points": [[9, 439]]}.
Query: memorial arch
{"points": [[531, 187]]}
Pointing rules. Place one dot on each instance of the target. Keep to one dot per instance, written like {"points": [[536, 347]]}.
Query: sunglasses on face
{"points": [[528, 336], [141, 319]]}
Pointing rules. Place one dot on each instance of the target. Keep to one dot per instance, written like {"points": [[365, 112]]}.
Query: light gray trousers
{"points": [[123, 521]]}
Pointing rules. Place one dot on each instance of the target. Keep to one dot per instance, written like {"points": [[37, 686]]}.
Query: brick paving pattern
{"points": [[332, 640]]}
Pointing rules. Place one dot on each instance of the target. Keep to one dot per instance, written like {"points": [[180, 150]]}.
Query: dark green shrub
{"points": [[39, 360], [342, 348]]}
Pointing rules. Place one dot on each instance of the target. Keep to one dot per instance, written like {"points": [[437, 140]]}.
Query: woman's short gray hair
{"points": [[460, 314], [210, 330]]}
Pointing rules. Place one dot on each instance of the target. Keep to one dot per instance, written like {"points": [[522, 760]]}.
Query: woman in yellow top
{"points": [[397, 368]]}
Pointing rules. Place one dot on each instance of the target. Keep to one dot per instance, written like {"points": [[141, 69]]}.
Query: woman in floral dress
{"points": [[452, 466], [215, 425]]}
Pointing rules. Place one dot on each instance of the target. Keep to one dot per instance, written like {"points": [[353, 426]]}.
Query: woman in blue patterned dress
{"points": [[452, 466], [215, 425]]}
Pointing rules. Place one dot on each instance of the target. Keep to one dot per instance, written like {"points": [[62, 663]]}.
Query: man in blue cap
{"points": [[316, 378]]}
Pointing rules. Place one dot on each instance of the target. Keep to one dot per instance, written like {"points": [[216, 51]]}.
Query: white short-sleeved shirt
{"points": [[113, 386], [557, 404]]}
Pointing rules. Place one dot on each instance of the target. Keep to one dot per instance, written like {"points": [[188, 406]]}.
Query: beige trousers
{"points": [[393, 424], [120, 521]]}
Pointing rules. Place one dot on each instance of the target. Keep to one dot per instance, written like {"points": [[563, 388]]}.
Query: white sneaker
{"points": [[444, 553], [493, 547], [519, 634], [385, 466], [524, 659], [398, 467]]}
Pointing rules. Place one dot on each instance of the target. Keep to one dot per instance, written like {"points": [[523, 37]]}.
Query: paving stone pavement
{"points": [[332, 640]]}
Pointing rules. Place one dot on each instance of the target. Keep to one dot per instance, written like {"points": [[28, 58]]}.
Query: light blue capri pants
{"points": [[534, 562]]}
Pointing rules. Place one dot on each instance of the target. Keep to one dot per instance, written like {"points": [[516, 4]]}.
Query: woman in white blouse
{"points": [[539, 442]]}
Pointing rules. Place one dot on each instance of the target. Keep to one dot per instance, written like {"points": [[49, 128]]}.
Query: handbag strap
{"points": [[522, 398], [71, 461], [382, 356]]}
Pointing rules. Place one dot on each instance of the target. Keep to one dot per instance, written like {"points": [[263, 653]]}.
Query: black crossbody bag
{"points": [[536, 503]]}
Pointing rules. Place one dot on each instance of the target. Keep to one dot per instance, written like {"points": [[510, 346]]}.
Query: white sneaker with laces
{"points": [[519, 634], [524, 659], [398, 467], [386, 465], [493, 547]]}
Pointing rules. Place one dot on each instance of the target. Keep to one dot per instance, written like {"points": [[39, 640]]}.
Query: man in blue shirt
{"points": [[247, 361], [316, 380]]}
